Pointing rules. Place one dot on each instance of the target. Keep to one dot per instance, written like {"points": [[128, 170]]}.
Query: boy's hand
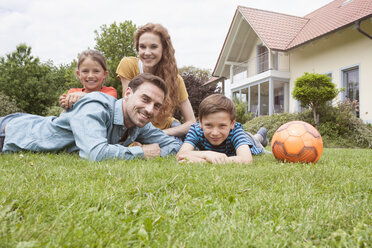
{"points": [[216, 157], [191, 159]]}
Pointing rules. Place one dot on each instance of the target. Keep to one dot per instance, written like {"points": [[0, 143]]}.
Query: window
{"points": [[281, 97], [351, 84], [254, 100], [264, 98], [329, 75], [262, 59], [236, 95]]}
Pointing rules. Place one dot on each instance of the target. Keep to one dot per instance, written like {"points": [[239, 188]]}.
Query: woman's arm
{"points": [[124, 84], [189, 119]]}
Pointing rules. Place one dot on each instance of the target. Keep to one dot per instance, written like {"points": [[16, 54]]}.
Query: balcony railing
{"points": [[260, 64]]}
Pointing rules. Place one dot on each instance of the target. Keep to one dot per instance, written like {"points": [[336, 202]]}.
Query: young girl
{"points": [[156, 56], [92, 73]]}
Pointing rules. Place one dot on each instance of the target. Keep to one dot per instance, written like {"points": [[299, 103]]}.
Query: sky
{"points": [[58, 30]]}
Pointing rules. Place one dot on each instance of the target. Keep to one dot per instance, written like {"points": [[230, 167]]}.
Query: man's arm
{"points": [[152, 135], [90, 122]]}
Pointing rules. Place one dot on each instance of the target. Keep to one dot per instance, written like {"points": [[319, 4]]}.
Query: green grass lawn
{"points": [[63, 201]]}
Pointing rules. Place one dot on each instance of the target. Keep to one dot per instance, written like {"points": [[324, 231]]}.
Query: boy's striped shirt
{"points": [[236, 138]]}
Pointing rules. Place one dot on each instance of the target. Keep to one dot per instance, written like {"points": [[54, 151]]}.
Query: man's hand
{"points": [[151, 150]]}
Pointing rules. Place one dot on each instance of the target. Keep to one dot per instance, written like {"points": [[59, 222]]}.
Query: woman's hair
{"points": [[94, 55], [166, 68], [216, 103], [148, 77]]}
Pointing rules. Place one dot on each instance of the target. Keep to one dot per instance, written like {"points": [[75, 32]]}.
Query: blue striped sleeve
{"points": [[239, 137], [193, 136]]}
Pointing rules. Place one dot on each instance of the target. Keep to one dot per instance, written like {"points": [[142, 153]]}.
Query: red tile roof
{"points": [[212, 80], [276, 30], [283, 32]]}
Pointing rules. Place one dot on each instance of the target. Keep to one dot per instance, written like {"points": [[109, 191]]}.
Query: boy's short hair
{"points": [[217, 103], [147, 77]]}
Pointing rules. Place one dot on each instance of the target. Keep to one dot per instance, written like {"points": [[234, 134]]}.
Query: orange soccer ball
{"points": [[297, 141]]}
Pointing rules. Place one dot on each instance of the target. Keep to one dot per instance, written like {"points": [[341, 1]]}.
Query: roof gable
{"points": [[276, 30]]}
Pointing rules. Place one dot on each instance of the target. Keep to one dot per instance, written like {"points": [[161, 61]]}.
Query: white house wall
{"points": [[334, 53]]}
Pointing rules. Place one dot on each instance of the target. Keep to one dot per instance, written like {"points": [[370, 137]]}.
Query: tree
{"points": [[68, 72], [194, 79], [314, 90], [115, 42], [8, 105], [34, 86]]}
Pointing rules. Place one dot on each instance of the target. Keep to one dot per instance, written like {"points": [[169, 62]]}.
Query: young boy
{"points": [[218, 138]]}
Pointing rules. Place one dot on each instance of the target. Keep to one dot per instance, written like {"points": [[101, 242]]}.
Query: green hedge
{"points": [[338, 126]]}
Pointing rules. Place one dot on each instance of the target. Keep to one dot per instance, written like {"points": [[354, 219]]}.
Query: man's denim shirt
{"points": [[93, 127]]}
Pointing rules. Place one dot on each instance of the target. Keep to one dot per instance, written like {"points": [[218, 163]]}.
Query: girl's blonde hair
{"points": [[166, 68], [95, 56]]}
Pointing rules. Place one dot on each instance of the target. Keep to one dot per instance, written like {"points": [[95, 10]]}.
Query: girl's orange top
{"points": [[107, 90]]}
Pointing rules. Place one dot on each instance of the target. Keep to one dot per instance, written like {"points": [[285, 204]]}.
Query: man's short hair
{"points": [[148, 77], [217, 103]]}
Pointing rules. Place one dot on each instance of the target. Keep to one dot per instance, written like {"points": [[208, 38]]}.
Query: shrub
{"points": [[33, 84], [314, 90], [271, 123], [339, 126], [54, 110], [8, 105], [194, 79], [241, 112]]}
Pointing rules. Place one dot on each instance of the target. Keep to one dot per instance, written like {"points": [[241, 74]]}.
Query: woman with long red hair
{"points": [[156, 56]]}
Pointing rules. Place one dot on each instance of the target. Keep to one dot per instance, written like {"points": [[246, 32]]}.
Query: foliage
{"points": [[194, 79], [54, 110], [115, 42], [340, 123], [33, 85], [69, 74], [241, 111], [8, 105], [60, 200], [272, 123], [202, 74], [314, 90], [339, 127]]}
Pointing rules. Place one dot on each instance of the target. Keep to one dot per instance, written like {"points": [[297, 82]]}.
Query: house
{"points": [[265, 52]]}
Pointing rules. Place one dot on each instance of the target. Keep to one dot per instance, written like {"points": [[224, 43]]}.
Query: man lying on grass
{"points": [[98, 126], [218, 138]]}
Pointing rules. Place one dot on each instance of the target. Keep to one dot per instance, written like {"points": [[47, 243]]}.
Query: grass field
{"points": [[60, 200]]}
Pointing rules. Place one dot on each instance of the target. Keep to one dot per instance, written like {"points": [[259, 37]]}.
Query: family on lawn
{"points": [[98, 126]]}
